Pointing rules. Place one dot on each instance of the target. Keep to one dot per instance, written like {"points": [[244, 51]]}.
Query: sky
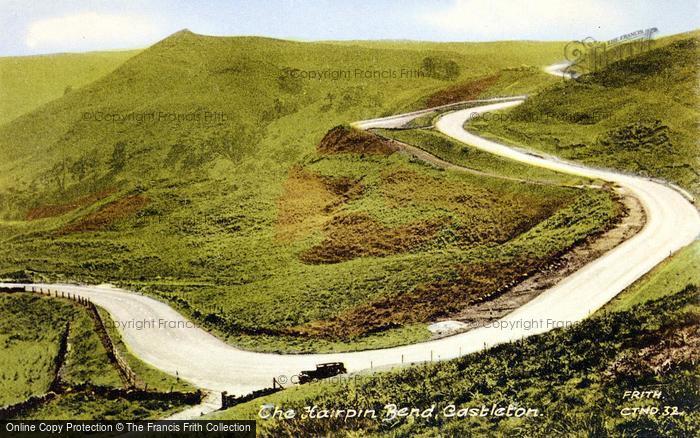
{"points": [[50, 26]]}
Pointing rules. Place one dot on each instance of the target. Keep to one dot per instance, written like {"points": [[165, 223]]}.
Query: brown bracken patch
{"points": [[359, 235], [108, 214], [346, 140], [667, 350], [53, 210], [471, 284], [486, 214], [464, 91], [466, 286], [308, 201]]}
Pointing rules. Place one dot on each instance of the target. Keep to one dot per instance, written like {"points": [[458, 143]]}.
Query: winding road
{"points": [[199, 357]]}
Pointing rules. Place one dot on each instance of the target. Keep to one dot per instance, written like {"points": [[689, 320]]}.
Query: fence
{"points": [[228, 401], [34, 402], [29, 404], [60, 360]]}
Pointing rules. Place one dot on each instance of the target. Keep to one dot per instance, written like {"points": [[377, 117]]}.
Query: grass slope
{"points": [[458, 153], [217, 214], [671, 276], [31, 81], [638, 115]]}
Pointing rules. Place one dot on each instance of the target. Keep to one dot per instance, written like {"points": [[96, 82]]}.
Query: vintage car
{"points": [[322, 371]]}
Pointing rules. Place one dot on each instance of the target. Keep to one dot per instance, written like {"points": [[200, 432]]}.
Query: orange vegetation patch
{"points": [[108, 214], [483, 214], [308, 201], [464, 91], [53, 210], [474, 214], [346, 140], [358, 235], [466, 286]]}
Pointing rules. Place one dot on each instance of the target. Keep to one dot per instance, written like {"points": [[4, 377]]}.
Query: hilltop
{"points": [[31, 81]]}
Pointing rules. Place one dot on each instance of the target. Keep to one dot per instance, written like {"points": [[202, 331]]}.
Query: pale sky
{"points": [[38, 26]]}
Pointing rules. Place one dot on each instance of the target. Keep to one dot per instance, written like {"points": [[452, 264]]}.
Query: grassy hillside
{"points": [[455, 152], [491, 76], [639, 115], [191, 173], [576, 379], [31, 327], [27, 82]]}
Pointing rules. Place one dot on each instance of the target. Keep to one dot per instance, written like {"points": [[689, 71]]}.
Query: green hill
{"points": [[191, 173], [26, 82], [639, 115]]}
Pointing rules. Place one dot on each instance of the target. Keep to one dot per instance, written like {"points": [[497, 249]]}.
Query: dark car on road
{"points": [[322, 371]]}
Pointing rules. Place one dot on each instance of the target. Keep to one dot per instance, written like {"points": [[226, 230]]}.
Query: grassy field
{"points": [[575, 377], [216, 213], [504, 68], [31, 81], [638, 115], [32, 326]]}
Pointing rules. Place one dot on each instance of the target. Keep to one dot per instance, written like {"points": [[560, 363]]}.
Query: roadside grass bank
{"points": [[50, 347]]}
